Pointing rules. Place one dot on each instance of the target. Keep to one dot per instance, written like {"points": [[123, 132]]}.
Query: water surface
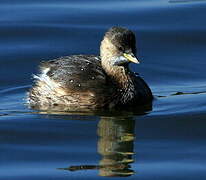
{"points": [[164, 143]]}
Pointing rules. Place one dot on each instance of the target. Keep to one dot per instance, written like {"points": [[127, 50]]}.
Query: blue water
{"points": [[166, 143]]}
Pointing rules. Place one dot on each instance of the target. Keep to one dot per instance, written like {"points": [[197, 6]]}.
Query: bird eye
{"points": [[120, 48]]}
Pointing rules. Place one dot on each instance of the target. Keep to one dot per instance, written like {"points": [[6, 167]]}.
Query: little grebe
{"points": [[92, 82]]}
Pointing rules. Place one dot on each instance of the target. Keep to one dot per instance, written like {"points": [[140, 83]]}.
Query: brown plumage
{"points": [[92, 82]]}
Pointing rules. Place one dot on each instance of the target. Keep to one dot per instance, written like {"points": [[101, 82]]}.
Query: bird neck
{"points": [[123, 80], [119, 74]]}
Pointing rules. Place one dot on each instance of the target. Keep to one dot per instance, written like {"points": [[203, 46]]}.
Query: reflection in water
{"points": [[116, 136], [115, 144]]}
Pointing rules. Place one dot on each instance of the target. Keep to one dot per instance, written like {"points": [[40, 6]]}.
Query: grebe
{"points": [[92, 82]]}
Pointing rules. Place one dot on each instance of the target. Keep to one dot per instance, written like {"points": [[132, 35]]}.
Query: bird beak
{"points": [[131, 57]]}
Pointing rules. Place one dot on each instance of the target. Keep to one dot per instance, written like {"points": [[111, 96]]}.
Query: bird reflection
{"points": [[115, 145]]}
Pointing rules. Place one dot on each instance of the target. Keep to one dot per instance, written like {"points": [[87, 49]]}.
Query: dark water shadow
{"points": [[182, 93], [3, 114]]}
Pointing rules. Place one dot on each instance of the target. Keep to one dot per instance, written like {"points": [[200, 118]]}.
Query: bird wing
{"points": [[77, 72]]}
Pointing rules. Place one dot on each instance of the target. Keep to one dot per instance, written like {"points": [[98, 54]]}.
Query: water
{"points": [[165, 143]]}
